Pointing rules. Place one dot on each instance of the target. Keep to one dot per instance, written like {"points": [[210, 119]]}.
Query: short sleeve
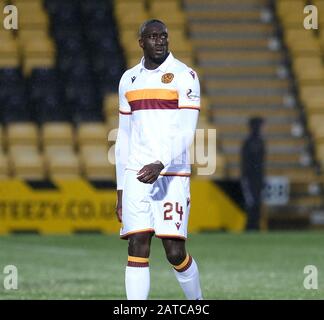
{"points": [[124, 106], [189, 90]]}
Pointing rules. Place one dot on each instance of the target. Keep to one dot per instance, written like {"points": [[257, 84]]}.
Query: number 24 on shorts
{"points": [[169, 208]]}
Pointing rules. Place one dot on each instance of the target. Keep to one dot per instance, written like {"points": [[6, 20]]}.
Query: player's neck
{"points": [[151, 64]]}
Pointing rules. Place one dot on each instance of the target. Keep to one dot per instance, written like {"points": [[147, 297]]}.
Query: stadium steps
{"points": [[245, 73], [294, 174], [273, 160], [225, 129]]}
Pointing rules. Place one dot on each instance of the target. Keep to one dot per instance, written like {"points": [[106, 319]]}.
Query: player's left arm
{"points": [[189, 105]]}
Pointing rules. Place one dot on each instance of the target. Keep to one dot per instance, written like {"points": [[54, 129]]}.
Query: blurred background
{"points": [[59, 74]]}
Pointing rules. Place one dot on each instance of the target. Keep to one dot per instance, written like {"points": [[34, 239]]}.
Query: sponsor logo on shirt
{"points": [[193, 96]]}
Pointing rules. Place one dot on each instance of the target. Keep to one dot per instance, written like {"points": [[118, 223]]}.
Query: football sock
{"points": [[137, 278], [188, 276]]}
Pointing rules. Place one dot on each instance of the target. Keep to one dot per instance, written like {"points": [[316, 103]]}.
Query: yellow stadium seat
{"points": [[19, 151], [164, 6], [291, 12], [309, 69], [133, 61], [6, 35], [26, 162], [33, 20], [321, 39], [312, 95], [123, 7], [134, 51], [28, 5], [292, 35], [92, 134], [129, 36], [315, 124], [4, 167], [8, 48], [63, 166], [320, 7], [111, 107], [318, 134], [39, 48], [132, 19], [95, 163], [29, 63], [57, 150], [57, 133], [111, 104], [179, 44], [28, 35], [9, 62], [24, 133], [175, 19]]}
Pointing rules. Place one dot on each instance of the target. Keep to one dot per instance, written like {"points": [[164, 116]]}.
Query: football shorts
{"points": [[161, 208]]}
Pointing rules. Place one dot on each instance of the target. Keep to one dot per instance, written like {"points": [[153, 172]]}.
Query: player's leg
{"points": [[185, 267], [137, 228], [137, 275]]}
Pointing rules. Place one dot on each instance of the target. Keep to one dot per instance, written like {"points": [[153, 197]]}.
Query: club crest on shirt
{"points": [[167, 78]]}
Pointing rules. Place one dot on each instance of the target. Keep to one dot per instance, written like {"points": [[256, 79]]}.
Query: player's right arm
{"points": [[122, 144]]}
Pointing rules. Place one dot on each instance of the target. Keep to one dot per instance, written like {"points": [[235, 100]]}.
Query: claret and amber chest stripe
{"points": [[152, 99]]}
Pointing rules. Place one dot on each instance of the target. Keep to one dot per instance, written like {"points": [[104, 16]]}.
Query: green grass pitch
{"points": [[232, 266]]}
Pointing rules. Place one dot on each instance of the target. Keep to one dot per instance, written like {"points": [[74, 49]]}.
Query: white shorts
{"points": [[161, 208]]}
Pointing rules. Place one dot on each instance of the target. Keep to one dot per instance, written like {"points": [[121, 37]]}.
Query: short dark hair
{"points": [[147, 23]]}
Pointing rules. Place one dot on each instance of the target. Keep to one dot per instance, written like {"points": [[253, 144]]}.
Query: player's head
{"points": [[255, 124], [153, 39]]}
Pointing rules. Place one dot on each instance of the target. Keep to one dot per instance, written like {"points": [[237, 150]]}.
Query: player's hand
{"points": [[150, 172], [119, 205]]}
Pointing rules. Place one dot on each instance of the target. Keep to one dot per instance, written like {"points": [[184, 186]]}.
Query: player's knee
{"points": [[176, 255], [139, 246]]}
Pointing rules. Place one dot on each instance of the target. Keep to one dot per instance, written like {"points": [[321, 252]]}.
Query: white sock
{"points": [[137, 278], [188, 276]]}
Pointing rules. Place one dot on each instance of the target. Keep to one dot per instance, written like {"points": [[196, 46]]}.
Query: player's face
{"points": [[154, 42]]}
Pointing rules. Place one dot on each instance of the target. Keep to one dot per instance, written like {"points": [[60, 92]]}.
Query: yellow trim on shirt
{"points": [[144, 94]]}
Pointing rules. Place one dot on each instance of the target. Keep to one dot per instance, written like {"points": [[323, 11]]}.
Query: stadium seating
{"points": [[92, 134], [26, 162], [57, 134], [4, 166], [55, 71], [63, 165], [22, 134], [95, 162]]}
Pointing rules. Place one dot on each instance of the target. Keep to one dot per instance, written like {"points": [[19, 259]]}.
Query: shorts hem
{"points": [[126, 235], [172, 236]]}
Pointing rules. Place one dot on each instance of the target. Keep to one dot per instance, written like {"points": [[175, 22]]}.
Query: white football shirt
{"points": [[162, 109]]}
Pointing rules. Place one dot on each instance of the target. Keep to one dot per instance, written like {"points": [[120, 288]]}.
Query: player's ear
{"points": [[141, 43]]}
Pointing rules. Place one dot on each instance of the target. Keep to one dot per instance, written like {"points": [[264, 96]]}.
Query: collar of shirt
{"points": [[162, 67]]}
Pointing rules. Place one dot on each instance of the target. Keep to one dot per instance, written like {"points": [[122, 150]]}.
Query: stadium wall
{"points": [[68, 206]]}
